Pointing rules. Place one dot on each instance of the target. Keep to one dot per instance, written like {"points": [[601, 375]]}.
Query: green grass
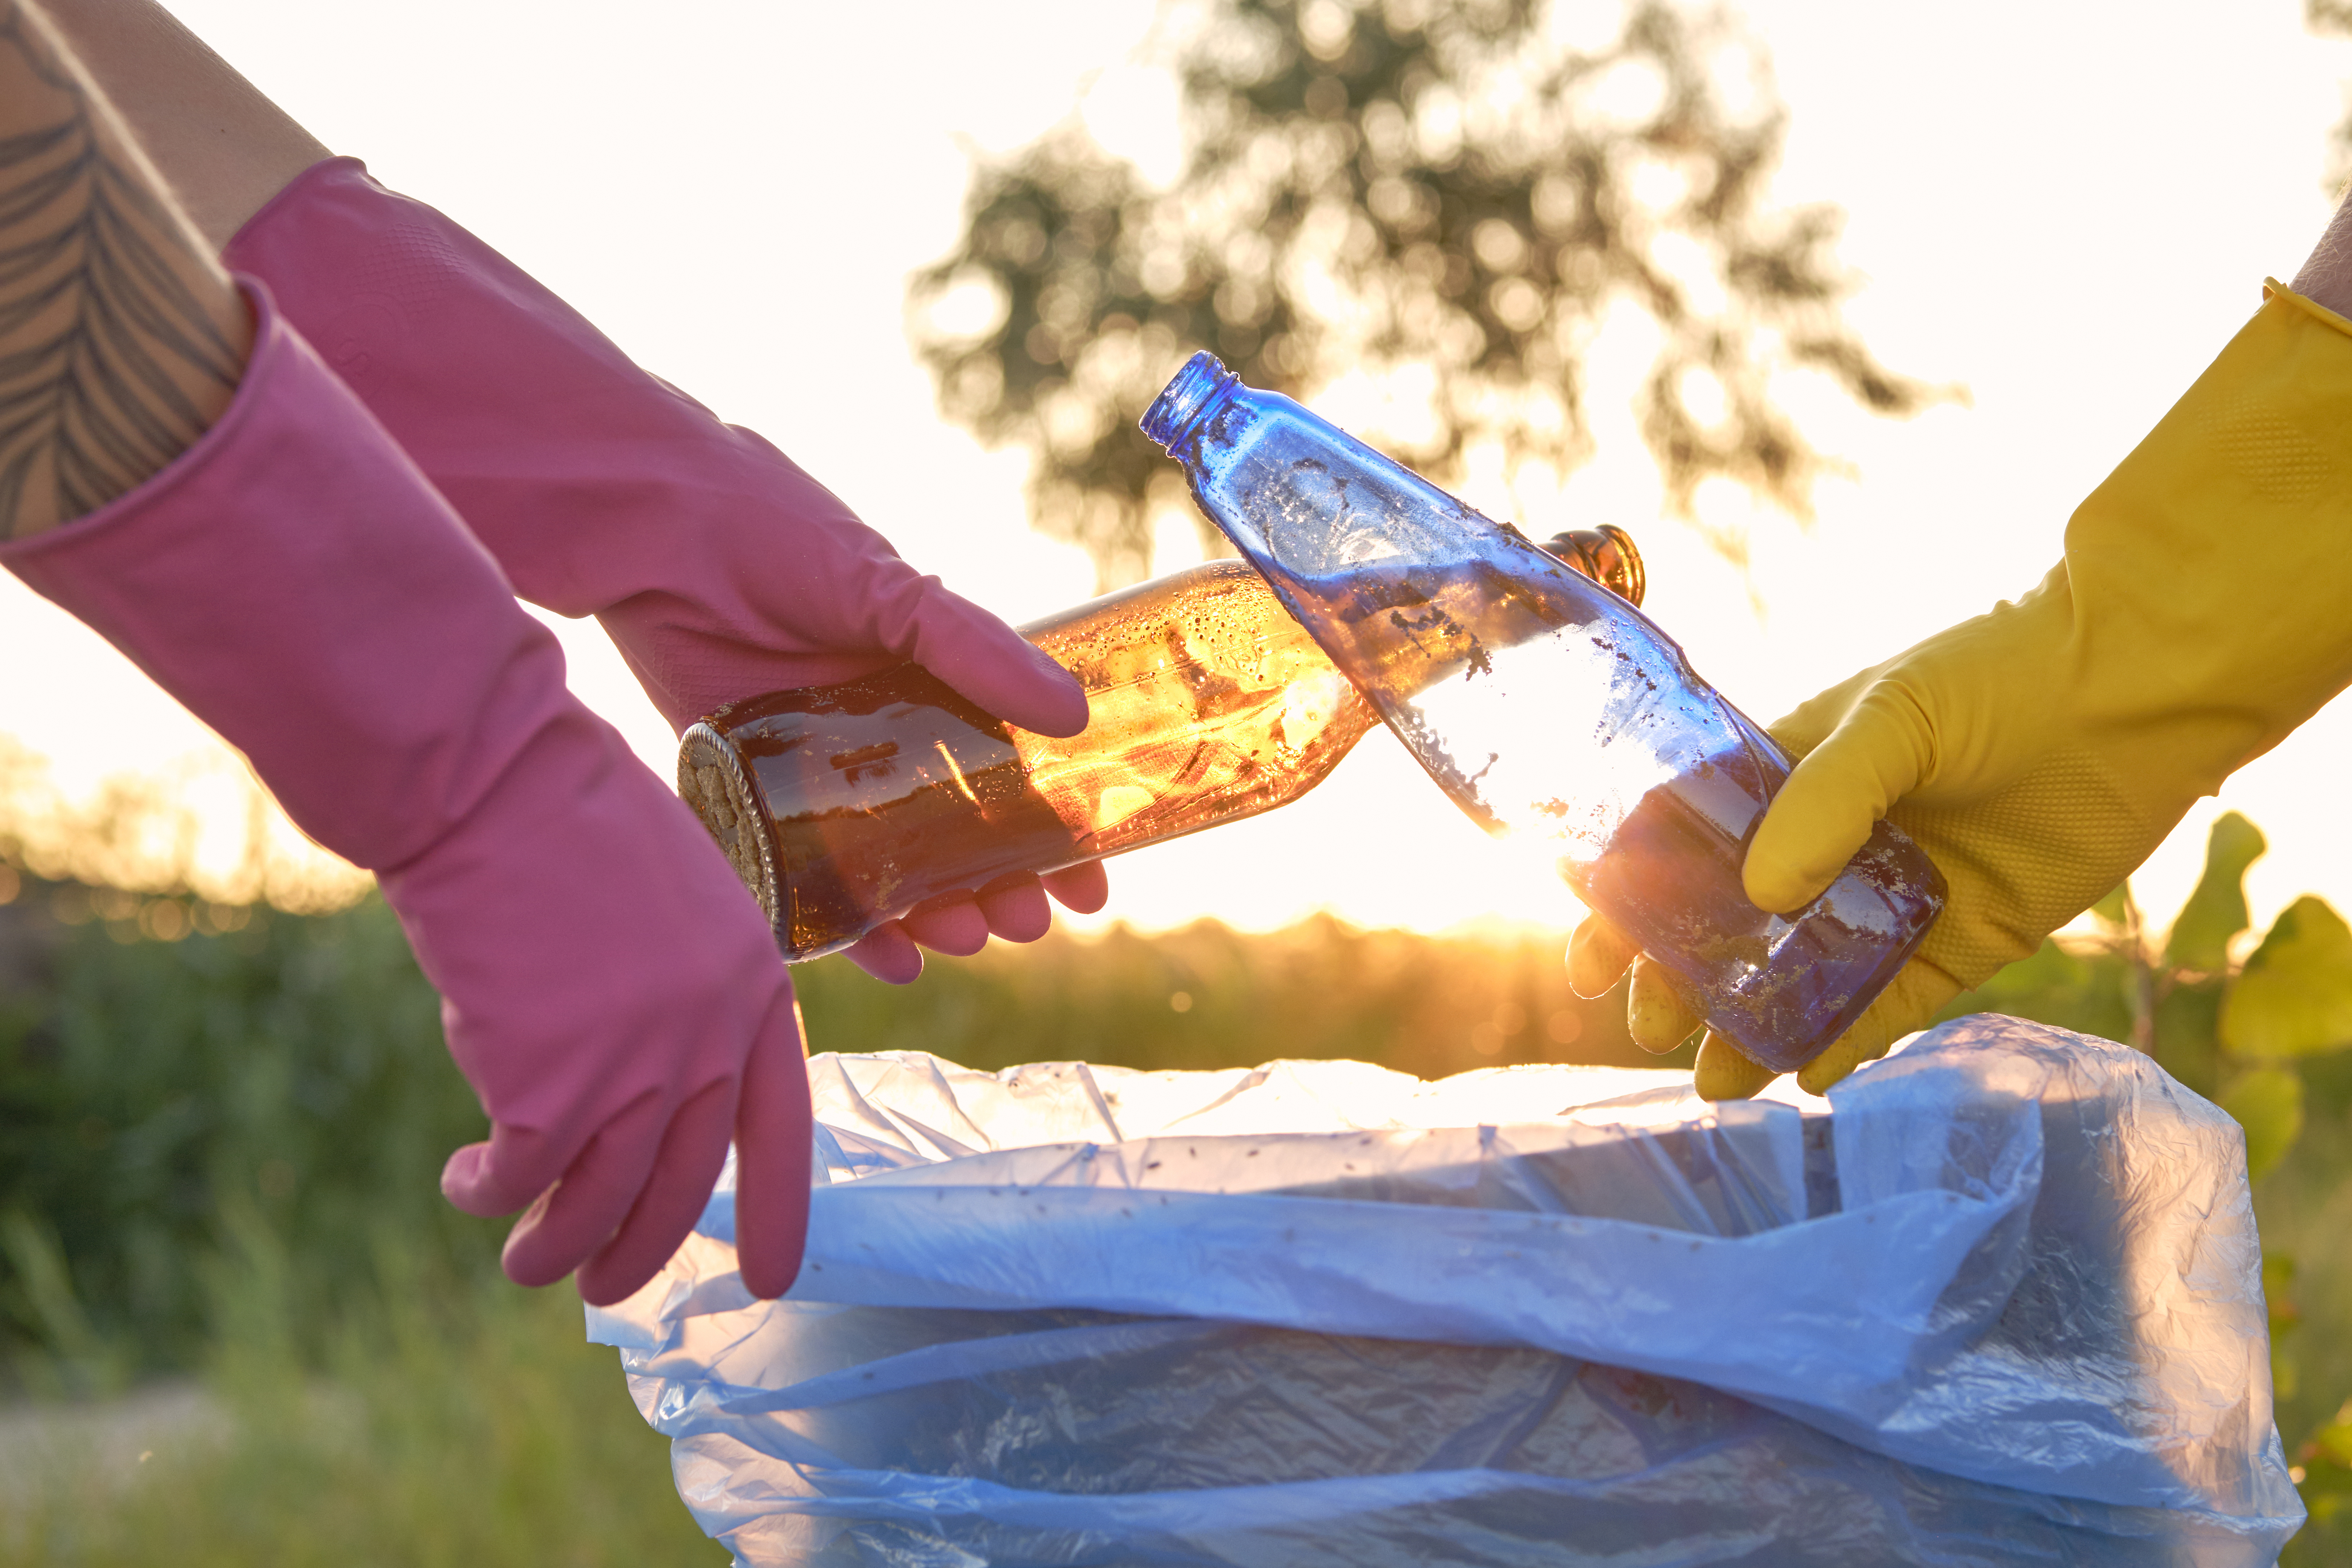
{"points": [[217, 1157], [438, 1425]]}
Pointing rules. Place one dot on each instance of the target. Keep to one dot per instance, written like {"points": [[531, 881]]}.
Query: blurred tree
{"points": [[2333, 19], [1458, 194]]}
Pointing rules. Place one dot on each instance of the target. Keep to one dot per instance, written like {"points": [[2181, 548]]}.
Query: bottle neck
{"points": [[1605, 554], [1199, 389]]}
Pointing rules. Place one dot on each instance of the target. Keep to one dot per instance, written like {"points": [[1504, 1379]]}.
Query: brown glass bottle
{"points": [[844, 807]]}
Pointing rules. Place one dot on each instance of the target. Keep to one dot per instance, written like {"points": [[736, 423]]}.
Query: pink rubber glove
{"points": [[719, 567], [609, 990]]}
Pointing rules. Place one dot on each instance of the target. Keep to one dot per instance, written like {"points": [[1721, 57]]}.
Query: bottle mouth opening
{"points": [[1185, 401]]}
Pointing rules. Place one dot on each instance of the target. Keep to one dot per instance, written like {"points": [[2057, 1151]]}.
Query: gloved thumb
{"points": [[1877, 755], [1812, 721], [999, 670], [1918, 992]]}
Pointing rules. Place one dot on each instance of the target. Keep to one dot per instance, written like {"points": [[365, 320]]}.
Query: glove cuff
{"points": [[2274, 289], [299, 586]]}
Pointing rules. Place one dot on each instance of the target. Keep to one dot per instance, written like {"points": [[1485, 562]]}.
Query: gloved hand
{"points": [[2040, 752], [719, 569], [608, 988]]}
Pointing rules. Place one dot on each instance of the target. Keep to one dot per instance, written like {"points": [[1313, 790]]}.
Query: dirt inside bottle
{"points": [[1208, 704], [1544, 706]]}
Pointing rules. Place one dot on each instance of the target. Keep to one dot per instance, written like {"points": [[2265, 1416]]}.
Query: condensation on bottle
{"points": [[842, 806], [1550, 709]]}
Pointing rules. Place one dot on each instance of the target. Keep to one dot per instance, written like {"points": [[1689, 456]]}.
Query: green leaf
{"points": [[2295, 997], [2216, 912], [2085, 992], [2268, 1103], [2332, 1445], [2111, 908]]}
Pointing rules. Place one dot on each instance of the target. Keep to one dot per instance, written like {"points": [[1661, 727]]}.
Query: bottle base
{"points": [[712, 782]]}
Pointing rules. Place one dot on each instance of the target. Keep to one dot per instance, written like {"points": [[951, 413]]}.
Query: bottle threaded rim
{"points": [[1187, 399]]}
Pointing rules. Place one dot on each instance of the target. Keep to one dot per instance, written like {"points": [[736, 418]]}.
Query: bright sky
{"points": [[2069, 208]]}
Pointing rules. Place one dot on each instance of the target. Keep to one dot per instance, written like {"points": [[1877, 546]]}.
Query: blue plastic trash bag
{"points": [[2001, 1305]]}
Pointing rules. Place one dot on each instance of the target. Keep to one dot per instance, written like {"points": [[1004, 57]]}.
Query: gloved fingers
{"points": [[516, 1166], [1725, 1072], [1910, 1001], [1014, 907], [888, 953], [1834, 798], [771, 1157], [685, 1168], [576, 1215], [1082, 888], [1806, 726], [961, 923], [950, 923], [1598, 957], [996, 667], [1655, 1015]]}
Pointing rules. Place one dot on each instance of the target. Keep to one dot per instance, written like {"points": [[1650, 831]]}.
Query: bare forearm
{"points": [[2326, 275], [120, 337], [223, 147]]}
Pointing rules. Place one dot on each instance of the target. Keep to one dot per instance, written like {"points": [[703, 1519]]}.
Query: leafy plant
{"points": [[2233, 1031]]}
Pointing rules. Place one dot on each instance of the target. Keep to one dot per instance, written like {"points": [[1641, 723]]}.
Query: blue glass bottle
{"points": [[1547, 707]]}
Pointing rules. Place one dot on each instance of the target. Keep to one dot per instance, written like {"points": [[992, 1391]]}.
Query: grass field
{"points": [[217, 1156]]}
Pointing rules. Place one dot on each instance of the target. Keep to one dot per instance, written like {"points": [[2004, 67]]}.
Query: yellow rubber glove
{"points": [[2041, 751]]}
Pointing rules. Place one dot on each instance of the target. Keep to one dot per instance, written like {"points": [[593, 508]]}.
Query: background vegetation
{"points": [[219, 1129]]}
